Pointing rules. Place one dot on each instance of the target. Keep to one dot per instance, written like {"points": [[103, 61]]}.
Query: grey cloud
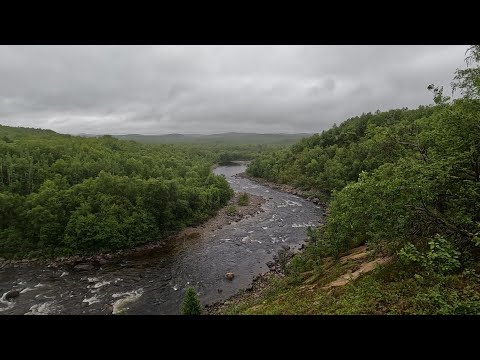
{"points": [[208, 89]]}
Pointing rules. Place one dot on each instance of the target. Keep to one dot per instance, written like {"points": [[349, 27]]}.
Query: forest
{"points": [[214, 139], [63, 195], [397, 180]]}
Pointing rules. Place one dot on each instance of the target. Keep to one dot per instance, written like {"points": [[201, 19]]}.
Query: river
{"points": [[155, 282]]}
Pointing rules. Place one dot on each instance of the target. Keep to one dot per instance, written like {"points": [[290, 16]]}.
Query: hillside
{"points": [[404, 183]]}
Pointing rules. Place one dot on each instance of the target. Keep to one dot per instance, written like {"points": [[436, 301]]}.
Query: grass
{"points": [[389, 289]]}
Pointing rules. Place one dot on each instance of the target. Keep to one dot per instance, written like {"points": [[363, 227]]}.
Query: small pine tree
{"points": [[191, 304], [243, 199]]}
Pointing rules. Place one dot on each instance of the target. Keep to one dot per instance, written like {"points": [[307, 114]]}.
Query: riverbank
{"points": [[300, 291], [84, 263], [355, 284]]}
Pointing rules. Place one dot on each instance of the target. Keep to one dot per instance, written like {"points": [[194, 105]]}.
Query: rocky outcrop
{"points": [[350, 276]]}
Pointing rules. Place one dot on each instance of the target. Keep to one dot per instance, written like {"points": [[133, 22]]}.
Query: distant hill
{"points": [[224, 138]]}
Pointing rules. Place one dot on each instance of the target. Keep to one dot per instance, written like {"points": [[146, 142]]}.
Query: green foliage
{"points": [[397, 177], [221, 148], [191, 304], [243, 199], [330, 160], [440, 258], [468, 80], [476, 236], [62, 194], [320, 246], [284, 257], [231, 210]]}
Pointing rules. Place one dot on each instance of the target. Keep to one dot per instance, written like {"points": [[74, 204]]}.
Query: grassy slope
{"points": [[389, 289]]}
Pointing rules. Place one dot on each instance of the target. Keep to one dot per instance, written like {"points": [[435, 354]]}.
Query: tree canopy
{"points": [[62, 194]]}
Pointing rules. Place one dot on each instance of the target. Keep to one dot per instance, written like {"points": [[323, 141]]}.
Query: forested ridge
{"points": [[407, 184], [328, 161], [62, 194], [222, 138], [395, 177]]}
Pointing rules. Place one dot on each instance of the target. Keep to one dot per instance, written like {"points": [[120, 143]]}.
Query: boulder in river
{"points": [[83, 267], [101, 260], [11, 294], [229, 276]]}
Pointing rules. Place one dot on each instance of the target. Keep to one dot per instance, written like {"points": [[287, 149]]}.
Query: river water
{"points": [[155, 282]]}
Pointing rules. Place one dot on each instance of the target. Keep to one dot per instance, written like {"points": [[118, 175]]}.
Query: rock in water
{"points": [[230, 276], [83, 267], [11, 294], [102, 261]]}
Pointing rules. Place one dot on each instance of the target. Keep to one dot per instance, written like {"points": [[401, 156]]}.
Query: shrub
{"points": [[440, 258], [243, 199], [231, 210]]}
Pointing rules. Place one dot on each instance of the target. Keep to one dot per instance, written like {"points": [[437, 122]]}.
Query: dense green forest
{"points": [[330, 160], [407, 184], [224, 138], [63, 194]]}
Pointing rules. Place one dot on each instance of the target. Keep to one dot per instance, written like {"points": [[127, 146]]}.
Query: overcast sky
{"points": [[211, 89]]}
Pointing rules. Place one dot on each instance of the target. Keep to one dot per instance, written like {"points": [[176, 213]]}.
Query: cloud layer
{"points": [[211, 89]]}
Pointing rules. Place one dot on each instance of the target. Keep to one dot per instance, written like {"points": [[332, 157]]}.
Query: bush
{"points": [[441, 257], [191, 304], [284, 256], [243, 199], [320, 244], [231, 210]]}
